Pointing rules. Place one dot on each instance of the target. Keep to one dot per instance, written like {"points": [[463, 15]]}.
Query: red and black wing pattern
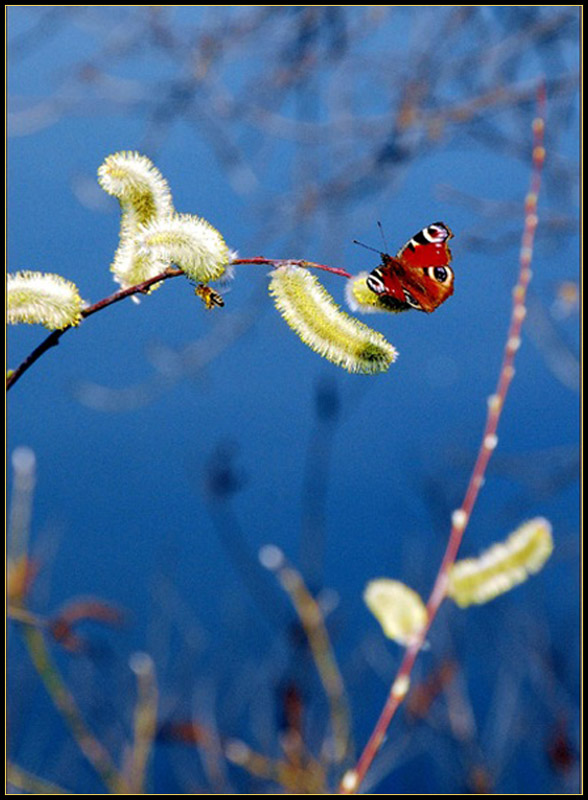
{"points": [[420, 276]]}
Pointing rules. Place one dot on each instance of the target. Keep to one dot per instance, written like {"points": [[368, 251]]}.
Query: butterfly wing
{"points": [[385, 282], [427, 248], [424, 271], [420, 276]]}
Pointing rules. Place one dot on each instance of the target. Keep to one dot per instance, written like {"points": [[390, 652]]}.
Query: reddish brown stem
{"points": [[354, 778], [291, 262], [53, 339]]}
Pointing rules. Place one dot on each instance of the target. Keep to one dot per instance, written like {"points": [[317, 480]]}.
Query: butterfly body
{"points": [[419, 276]]}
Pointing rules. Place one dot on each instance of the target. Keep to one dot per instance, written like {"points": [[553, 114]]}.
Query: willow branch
{"points": [[30, 784], [330, 676], [352, 779], [64, 701], [292, 778], [53, 339], [144, 722], [141, 288], [291, 262]]}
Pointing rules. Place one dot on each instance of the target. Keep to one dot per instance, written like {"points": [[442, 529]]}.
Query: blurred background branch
{"points": [[293, 129]]}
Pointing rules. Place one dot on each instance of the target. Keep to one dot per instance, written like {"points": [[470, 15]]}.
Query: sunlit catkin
{"points": [[503, 566], [144, 196], [312, 313], [188, 241], [399, 609], [44, 298]]}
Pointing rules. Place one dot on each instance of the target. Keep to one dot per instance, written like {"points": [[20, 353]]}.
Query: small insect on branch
{"points": [[210, 297]]}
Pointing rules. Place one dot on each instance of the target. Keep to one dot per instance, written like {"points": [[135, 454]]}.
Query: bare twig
{"points": [[65, 703], [313, 623], [53, 339], [291, 262], [141, 288], [144, 723], [30, 784], [353, 779]]}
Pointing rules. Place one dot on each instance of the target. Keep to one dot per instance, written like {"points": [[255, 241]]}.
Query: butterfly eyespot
{"points": [[439, 274], [421, 265], [438, 232], [375, 284]]}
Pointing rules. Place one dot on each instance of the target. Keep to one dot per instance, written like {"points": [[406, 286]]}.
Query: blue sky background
{"points": [[123, 454]]}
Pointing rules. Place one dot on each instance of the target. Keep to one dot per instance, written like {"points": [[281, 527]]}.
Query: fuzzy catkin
{"points": [[44, 298], [312, 313]]}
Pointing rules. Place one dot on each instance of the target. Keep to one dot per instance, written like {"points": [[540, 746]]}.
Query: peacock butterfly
{"points": [[419, 276]]}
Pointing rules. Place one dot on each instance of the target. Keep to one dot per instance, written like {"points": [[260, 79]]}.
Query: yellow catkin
{"points": [[44, 298], [360, 297], [188, 241], [399, 609], [141, 189], [144, 197], [313, 314], [502, 566]]}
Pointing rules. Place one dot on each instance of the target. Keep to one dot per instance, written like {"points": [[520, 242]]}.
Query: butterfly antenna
{"points": [[383, 237], [367, 247]]}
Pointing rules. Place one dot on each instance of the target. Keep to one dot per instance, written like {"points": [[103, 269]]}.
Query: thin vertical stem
{"points": [[313, 623], [144, 722], [353, 778], [63, 700]]}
